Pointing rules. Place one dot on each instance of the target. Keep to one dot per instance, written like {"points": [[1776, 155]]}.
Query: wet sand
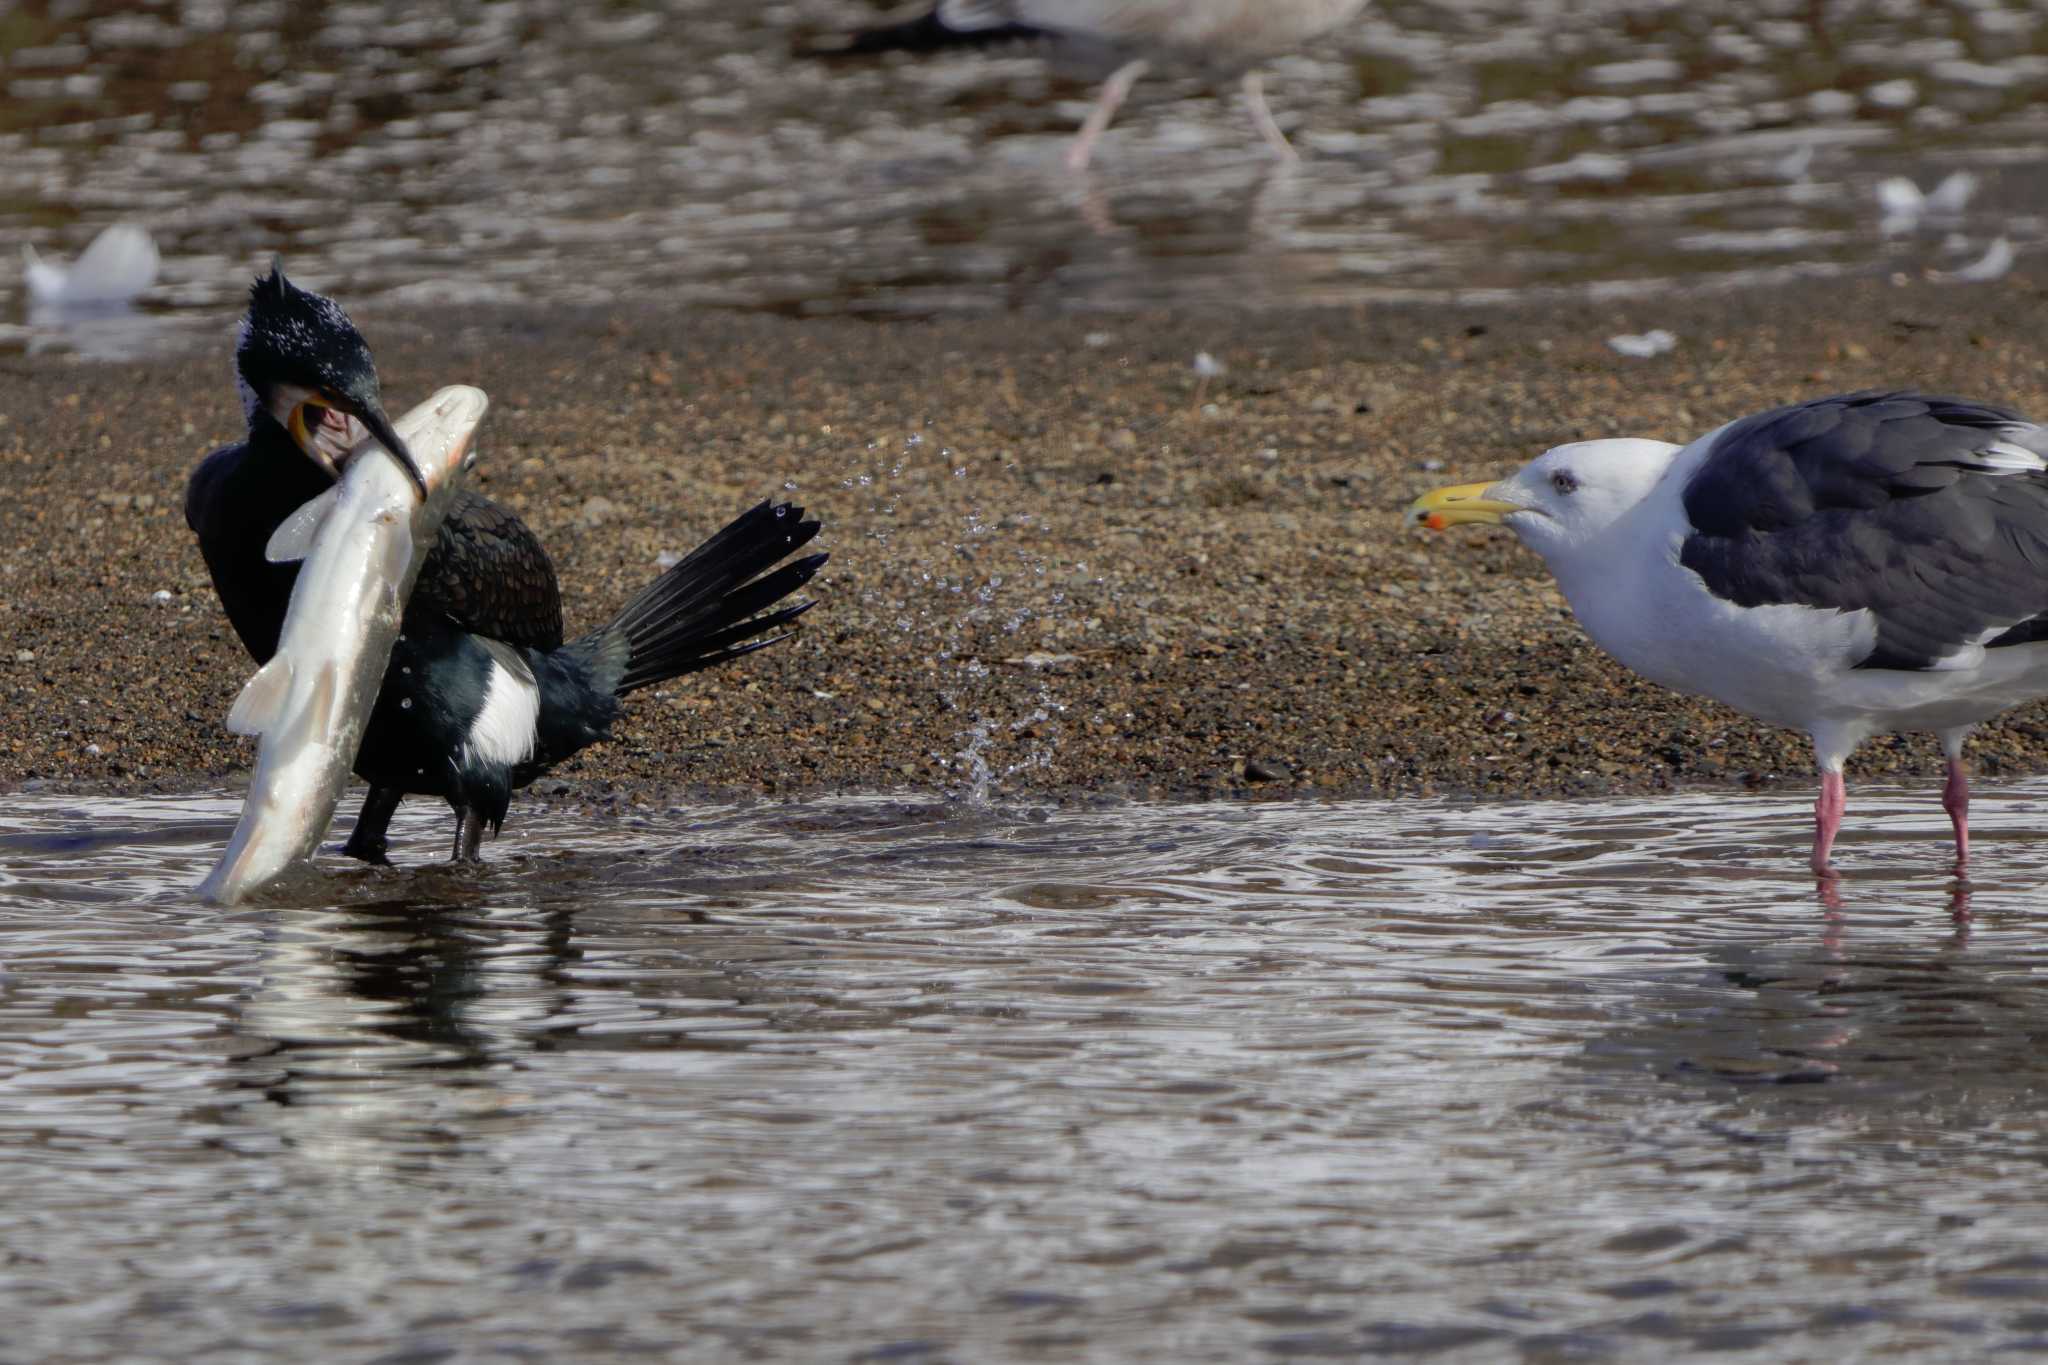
{"points": [[1057, 551]]}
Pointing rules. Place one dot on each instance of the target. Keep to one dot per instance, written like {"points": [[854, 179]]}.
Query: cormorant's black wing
{"points": [[488, 573], [1930, 513]]}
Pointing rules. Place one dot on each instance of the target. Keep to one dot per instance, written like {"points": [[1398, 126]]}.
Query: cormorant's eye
{"points": [[1565, 482]]}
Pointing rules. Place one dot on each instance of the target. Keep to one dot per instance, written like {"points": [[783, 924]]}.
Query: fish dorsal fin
{"points": [[293, 541], [261, 704]]}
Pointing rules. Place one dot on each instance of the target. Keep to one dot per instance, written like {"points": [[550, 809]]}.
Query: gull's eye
{"points": [[1564, 482]]}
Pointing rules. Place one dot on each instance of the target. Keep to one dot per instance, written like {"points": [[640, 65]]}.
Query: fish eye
{"points": [[1565, 482]]}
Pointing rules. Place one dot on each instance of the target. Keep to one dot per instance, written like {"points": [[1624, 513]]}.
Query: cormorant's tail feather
{"points": [[688, 650], [704, 610], [667, 638], [926, 33]]}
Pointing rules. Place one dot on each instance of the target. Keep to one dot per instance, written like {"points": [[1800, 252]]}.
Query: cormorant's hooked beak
{"points": [[370, 413], [1459, 504], [327, 424]]}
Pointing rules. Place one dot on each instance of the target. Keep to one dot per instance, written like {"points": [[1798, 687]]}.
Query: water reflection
{"points": [[373, 1015], [517, 151], [900, 1077]]}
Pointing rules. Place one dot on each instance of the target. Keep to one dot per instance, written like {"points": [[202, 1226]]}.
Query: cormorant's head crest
{"points": [[297, 339], [303, 364]]}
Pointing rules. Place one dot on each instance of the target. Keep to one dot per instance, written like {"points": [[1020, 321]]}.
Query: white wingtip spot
{"points": [[2002, 457]]}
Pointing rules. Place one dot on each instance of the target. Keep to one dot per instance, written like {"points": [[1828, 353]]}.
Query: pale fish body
{"points": [[362, 543]]}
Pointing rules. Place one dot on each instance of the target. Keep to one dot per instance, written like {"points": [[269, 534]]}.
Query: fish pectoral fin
{"points": [[293, 540], [261, 704], [315, 721]]}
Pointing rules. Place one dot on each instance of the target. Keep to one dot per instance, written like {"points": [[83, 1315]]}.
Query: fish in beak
{"points": [[367, 409], [329, 424]]}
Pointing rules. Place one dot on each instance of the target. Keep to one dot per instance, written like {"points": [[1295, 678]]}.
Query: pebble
{"points": [[1267, 770], [1211, 601]]}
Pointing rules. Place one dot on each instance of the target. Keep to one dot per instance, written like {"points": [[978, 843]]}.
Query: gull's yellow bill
{"points": [[1458, 505]]}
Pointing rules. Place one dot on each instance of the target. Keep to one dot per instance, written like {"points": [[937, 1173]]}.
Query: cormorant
{"points": [[482, 694]]}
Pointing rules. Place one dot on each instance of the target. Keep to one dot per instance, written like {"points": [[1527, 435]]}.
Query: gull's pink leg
{"points": [[1114, 91], [1263, 120], [1827, 819], [1955, 799]]}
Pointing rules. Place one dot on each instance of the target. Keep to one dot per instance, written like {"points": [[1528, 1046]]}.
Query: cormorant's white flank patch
{"points": [[507, 729]]}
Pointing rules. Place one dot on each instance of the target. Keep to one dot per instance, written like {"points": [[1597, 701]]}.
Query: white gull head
{"points": [[1571, 495], [1564, 501]]}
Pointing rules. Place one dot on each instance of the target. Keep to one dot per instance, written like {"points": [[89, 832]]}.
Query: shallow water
{"points": [[541, 151], [871, 1079]]}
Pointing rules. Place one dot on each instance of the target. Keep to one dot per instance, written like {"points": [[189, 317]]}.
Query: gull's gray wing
{"points": [[1930, 513]]}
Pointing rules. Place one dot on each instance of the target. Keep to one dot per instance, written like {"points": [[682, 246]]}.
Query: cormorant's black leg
{"points": [[366, 840], [469, 835]]}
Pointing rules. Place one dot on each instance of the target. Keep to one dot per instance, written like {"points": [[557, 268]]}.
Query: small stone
{"points": [[1267, 770]]}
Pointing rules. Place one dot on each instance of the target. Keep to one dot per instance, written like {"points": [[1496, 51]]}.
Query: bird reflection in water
{"points": [[1828, 892], [361, 1014]]}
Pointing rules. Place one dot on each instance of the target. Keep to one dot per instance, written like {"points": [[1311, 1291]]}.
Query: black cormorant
{"points": [[482, 694]]}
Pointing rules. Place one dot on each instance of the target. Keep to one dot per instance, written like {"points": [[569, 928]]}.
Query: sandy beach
{"points": [[1061, 557]]}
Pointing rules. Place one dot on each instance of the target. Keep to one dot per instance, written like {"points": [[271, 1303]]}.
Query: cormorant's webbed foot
{"points": [[366, 840]]}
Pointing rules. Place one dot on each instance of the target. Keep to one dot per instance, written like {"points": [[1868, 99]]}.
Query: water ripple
{"points": [[519, 154], [1506, 1080]]}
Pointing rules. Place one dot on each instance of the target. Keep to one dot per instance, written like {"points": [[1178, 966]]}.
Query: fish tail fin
{"points": [[713, 606]]}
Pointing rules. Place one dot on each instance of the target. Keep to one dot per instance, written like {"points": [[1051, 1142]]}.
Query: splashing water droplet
{"points": [[974, 759]]}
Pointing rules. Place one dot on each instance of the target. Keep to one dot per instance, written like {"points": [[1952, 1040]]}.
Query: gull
{"points": [[1904, 204], [1125, 39], [1846, 566], [118, 265]]}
